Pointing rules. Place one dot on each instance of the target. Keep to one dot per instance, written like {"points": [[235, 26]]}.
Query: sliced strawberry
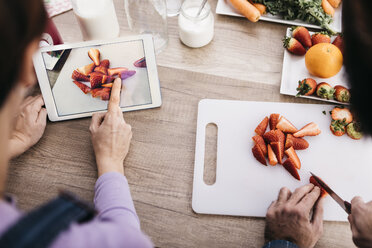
{"points": [[342, 94], [294, 46], [79, 76], [324, 90], [140, 63], [94, 55], [105, 63], [270, 136], [285, 125], [306, 87], [338, 127], [277, 148], [321, 37], [273, 121], [339, 42], [302, 35], [311, 129], [87, 69], [342, 114], [258, 154], [261, 143], [281, 139], [101, 69], [97, 79], [103, 93], [271, 155], [323, 193], [261, 128], [290, 166], [83, 87], [296, 143], [116, 71], [290, 152]]}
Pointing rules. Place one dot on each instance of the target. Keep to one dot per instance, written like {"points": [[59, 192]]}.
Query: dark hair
{"points": [[21, 22], [357, 29]]}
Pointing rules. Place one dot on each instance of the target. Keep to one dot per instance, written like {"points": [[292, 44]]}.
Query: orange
{"points": [[324, 60]]}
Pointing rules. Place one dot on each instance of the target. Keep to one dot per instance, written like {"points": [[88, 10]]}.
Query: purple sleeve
{"points": [[117, 224]]}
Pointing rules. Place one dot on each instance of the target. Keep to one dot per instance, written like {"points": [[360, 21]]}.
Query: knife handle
{"points": [[347, 206]]}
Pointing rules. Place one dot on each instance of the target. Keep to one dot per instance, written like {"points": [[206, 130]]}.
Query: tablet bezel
{"points": [[46, 90]]}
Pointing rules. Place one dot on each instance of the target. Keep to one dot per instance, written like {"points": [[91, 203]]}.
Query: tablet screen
{"points": [[79, 86]]}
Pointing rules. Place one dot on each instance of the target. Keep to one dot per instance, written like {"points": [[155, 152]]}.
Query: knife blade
{"points": [[344, 204]]}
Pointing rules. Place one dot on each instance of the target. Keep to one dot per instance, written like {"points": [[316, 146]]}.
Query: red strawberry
{"points": [[83, 87], [339, 42], [116, 71], [274, 118], [277, 148], [342, 114], [87, 69], [342, 94], [286, 126], [294, 46], [296, 143], [101, 69], [94, 55], [272, 157], [261, 143], [97, 79], [338, 127], [306, 87], [311, 129], [323, 193], [290, 152], [105, 63], [271, 136], [302, 35], [258, 154], [281, 139], [321, 37], [324, 90], [103, 93], [261, 128], [290, 166], [79, 76]]}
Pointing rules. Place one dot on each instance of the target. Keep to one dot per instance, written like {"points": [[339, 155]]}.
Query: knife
{"points": [[344, 204]]}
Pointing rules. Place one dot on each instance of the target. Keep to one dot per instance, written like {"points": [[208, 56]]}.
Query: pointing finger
{"points": [[113, 105]]}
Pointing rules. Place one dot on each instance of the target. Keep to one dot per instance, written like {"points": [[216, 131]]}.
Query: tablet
{"points": [[76, 79]]}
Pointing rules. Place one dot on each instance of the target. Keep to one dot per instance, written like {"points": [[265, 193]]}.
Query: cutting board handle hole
{"points": [[210, 154]]}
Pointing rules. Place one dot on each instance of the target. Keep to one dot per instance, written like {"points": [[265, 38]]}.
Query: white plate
{"points": [[224, 7], [294, 70]]}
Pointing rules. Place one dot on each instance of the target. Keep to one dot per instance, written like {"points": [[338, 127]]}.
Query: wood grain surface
{"points": [[243, 62]]}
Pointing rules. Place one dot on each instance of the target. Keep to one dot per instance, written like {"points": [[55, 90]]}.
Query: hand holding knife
{"points": [[344, 204]]}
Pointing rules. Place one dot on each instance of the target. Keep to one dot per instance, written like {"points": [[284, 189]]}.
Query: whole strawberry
{"points": [[342, 94], [302, 35], [324, 90], [339, 42], [321, 37], [294, 46], [306, 87]]}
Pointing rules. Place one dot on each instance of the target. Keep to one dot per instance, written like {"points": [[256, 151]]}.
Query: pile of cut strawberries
{"points": [[99, 75], [282, 139]]}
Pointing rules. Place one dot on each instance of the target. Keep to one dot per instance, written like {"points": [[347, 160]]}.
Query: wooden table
{"points": [[243, 62]]}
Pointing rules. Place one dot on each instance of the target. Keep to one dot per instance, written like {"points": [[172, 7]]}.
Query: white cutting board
{"points": [[244, 187]]}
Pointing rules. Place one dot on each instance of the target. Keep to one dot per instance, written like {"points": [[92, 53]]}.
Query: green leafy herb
{"points": [[324, 113], [310, 11]]}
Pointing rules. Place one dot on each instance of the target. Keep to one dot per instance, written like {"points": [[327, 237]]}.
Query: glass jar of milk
{"points": [[97, 19], [195, 30]]}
